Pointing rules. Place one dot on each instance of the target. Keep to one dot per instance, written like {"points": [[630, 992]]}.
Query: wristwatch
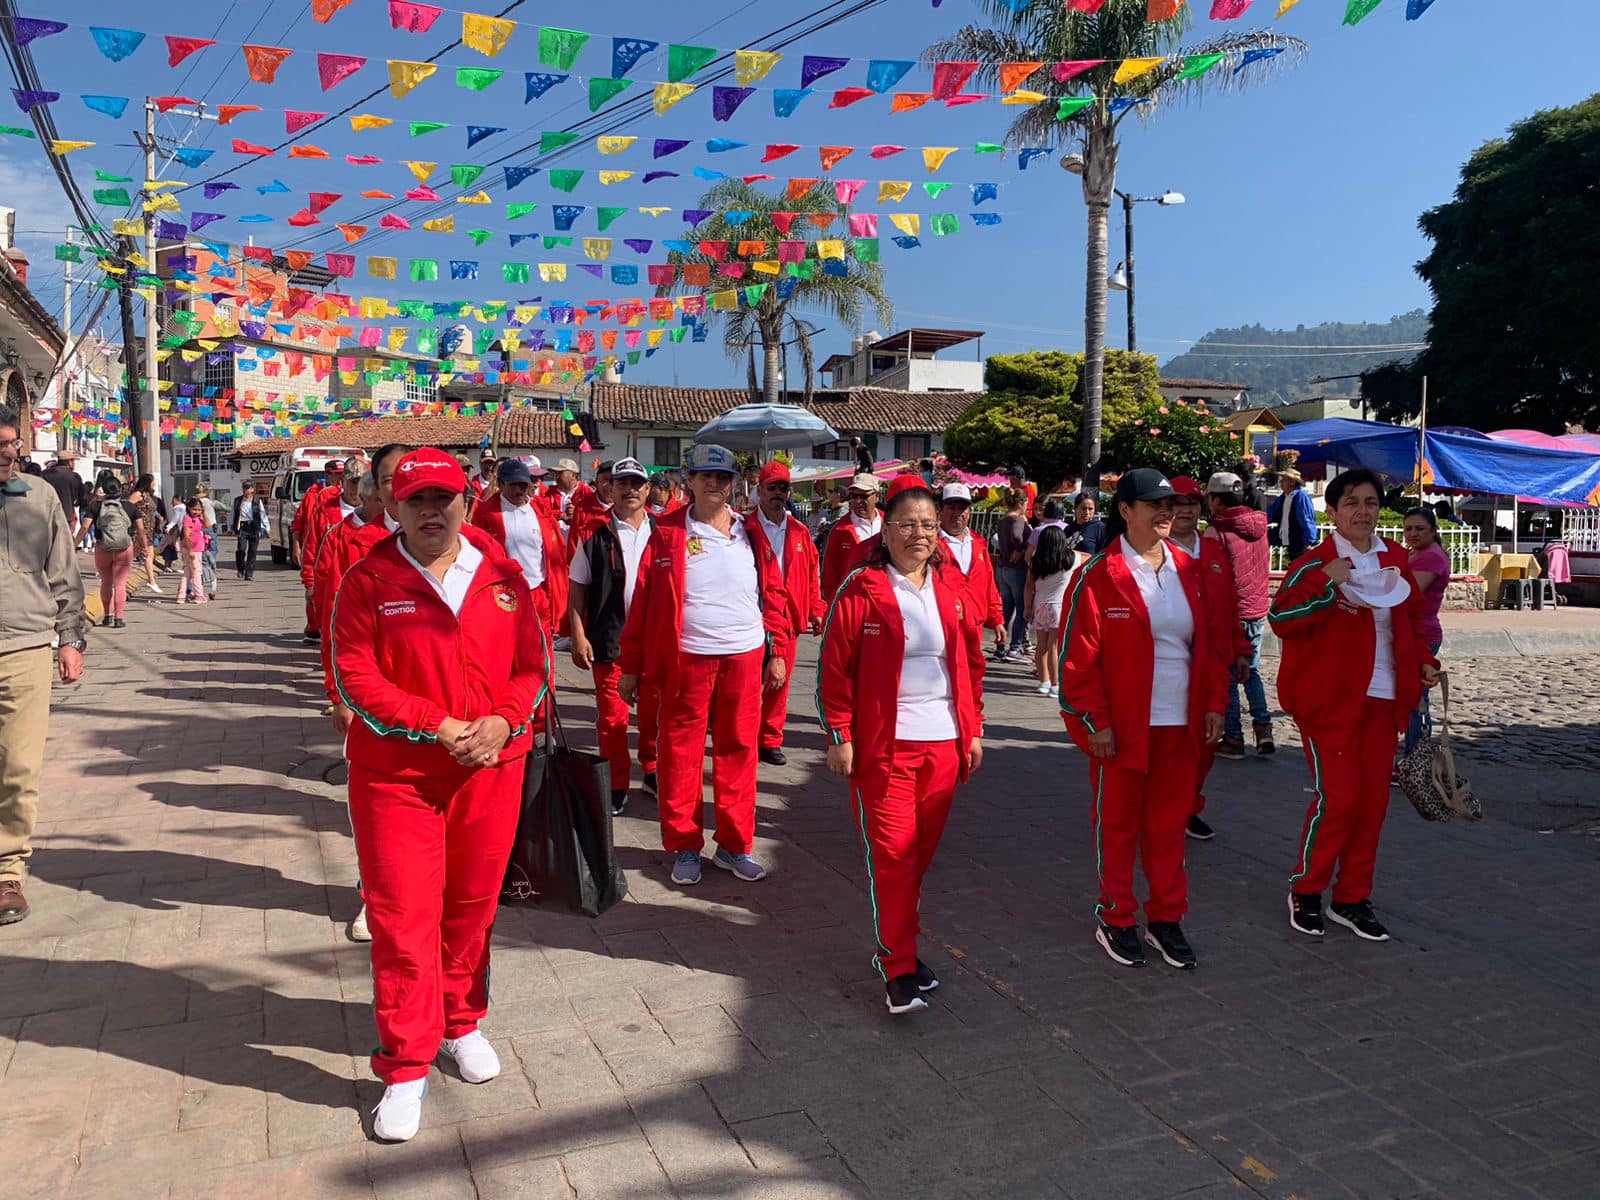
{"points": [[80, 645]]}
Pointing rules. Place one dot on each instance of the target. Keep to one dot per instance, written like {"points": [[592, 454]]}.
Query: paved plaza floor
{"points": [[184, 1015]]}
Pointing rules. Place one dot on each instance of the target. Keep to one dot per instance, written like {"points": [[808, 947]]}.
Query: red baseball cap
{"points": [[775, 472], [905, 483], [427, 468], [1185, 486]]}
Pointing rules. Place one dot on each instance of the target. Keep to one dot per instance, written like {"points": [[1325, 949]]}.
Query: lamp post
{"points": [[1122, 278]]}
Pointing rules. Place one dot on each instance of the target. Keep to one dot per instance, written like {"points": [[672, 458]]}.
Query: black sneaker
{"points": [[1360, 919], [926, 979], [1168, 940], [619, 801], [1305, 914], [1199, 830], [902, 996], [119, 623], [650, 783], [105, 621], [1122, 945], [773, 756]]}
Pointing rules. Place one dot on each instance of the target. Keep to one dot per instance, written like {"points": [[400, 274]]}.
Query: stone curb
{"points": [[1500, 643]]}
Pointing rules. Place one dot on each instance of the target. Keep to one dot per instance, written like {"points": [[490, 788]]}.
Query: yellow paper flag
{"points": [[403, 76], [766, 267], [894, 190], [933, 156], [1285, 5], [1025, 98], [909, 223], [374, 307], [668, 94], [1132, 68], [422, 170], [397, 337], [724, 301], [526, 313], [653, 336], [751, 65], [478, 197], [380, 268], [368, 121], [654, 212], [486, 35], [831, 248], [440, 225], [615, 176], [126, 227], [59, 148], [597, 247], [553, 272], [614, 145]]}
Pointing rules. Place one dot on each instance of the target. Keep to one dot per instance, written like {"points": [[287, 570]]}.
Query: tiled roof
{"points": [[853, 410], [522, 428], [1209, 384]]}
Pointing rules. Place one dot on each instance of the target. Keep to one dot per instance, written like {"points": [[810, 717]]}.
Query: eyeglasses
{"points": [[782, 489], [14, 445], [912, 528]]}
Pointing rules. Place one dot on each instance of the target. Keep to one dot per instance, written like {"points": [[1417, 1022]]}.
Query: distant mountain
{"points": [[1279, 364]]}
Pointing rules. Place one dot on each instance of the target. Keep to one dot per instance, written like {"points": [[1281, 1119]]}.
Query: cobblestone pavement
{"points": [[184, 1017]]}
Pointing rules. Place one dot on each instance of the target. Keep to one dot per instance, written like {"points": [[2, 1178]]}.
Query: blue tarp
{"points": [[1460, 460]]}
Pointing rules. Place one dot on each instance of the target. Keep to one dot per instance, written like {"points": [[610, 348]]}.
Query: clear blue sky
{"points": [[1303, 193]]}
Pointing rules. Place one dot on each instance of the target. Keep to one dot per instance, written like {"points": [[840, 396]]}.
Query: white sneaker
{"points": [[358, 928], [1043, 689], [157, 588], [474, 1057], [399, 1113], [563, 643]]}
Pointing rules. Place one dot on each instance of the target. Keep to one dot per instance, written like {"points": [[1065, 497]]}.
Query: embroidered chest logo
{"points": [[696, 547], [871, 628], [1118, 614], [397, 608], [506, 599]]}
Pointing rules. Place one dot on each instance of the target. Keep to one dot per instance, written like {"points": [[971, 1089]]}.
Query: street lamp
{"points": [[1122, 279]]}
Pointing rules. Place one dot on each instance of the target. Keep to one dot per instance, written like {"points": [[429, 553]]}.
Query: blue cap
{"points": [[711, 458], [513, 470]]}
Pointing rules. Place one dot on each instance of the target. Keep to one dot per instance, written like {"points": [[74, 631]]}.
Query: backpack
{"points": [[113, 528]]}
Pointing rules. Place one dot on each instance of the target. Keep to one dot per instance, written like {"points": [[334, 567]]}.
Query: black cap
{"points": [[1145, 483]]}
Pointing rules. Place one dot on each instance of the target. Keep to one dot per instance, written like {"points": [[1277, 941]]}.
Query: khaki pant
{"points": [[24, 715]]}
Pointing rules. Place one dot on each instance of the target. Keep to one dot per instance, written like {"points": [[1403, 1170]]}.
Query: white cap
{"points": [[1224, 483], [864, 483], [535, 467], [566, 464], [957, 491]]}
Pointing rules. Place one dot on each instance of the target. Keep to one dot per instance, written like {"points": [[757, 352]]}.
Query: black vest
{"points": [[606, 613]]}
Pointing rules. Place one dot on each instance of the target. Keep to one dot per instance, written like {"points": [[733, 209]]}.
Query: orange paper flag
{"points": [[832, 154], [306, 150], [298, 260], [1013, 74], [352, 233], [264, 61], [227, 112], [322, 10], [906, 101]]}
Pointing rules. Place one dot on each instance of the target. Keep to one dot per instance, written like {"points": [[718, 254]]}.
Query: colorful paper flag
{"points": [[486, 35], [749, 66], [333, 69], [263, 61], [179, 48], [559, 48], [404, 76]]}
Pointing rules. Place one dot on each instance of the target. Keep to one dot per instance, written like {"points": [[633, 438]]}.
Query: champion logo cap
{"points": [[427, 468]]}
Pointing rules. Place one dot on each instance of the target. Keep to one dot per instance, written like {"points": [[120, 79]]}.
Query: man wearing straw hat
{"points": [[1292, 519]]}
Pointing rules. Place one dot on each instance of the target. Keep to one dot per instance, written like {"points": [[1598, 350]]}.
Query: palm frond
{"points": [[802, 337]]}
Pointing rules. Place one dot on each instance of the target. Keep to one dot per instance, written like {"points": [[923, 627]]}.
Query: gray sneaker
{"points": [[686, 868], [743, 865]]}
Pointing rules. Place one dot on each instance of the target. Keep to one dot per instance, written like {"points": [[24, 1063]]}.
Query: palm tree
{"points": [[844, 297], [1048, 32]]}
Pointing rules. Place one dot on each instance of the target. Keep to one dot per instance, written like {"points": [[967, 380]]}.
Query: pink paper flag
{"points": [[846, 190], [886, 151], [950, 77], [413, 18], [394, 221], [1064, 71], [1228, 10], [334, 69], [294, 121]]}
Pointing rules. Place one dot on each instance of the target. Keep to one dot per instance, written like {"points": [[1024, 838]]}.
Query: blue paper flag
{"points": [[703, 173], [737, 217], [907, 243], [1123, 103], [254, 219], [539, 83], [29, 99], [625, 274], [213, 190], [476, 133], [1415, 8], [985, 218], [814, 66], [1027, 155], [693, 216], [25, 29], [725, 101], [463, 270], [566, 214], [786, 287], [198, 220], [835, 266], [515, 175], [666, 146], [192, 156], [116, 44], [112, 106], [722, 145], [652, 176], [984, 191], [1251, 56], [594, 269], [786, 100], [220, 249], [638, 245], [626, 51], [679, 245], [277, 185], [884, 73], [517, 238]]}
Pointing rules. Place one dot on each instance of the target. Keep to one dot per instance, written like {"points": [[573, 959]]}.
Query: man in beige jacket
{"points": [[41, 601]]}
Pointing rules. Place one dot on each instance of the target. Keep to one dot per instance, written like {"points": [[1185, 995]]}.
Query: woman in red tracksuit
{"points": [[440, 655], [900, 694], [1354, 666], [709, 628], [1144, 670], [539, 544]]}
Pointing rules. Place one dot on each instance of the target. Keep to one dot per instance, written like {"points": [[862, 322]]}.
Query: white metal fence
{"points": [[1580, 529]]}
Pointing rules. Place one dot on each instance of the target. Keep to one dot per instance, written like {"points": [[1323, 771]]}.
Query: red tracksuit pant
{"points": [[432, 854], [1345, 818], [900, 832], [1205, 757], [775, 705], [724, 692], [1145, 813], [612, 724]]}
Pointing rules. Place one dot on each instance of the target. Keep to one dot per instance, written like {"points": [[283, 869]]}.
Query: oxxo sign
{"points": [[262, 464]]}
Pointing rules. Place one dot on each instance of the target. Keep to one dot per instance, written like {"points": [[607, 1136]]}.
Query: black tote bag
{"points": [[563, 859]]}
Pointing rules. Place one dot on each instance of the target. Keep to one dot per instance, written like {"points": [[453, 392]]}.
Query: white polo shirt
{"points": [[776, 534], [1171, 628], [865, 529], [457, 580], [721, 604], [1381, 685], [524, 541], [925, 710], [960, 549], [633, 542]]}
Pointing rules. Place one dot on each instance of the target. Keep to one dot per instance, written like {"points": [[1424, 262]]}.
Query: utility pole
{"points": [[64, 371], [151, 432], [1127, 223]]}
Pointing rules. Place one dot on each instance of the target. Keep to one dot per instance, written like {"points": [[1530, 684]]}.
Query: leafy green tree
{"points": [[1174, 437], [1514, 270], [771, 320], [1049, 32]]}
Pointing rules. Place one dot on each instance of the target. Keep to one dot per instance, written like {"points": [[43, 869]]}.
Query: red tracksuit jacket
{"points": [[403, 662], [983, 596], [655, 621], [858, 679], [839, 556], [324, 518], [1329, 643], [1108, 655], [488, 517], [346, 544], [1221, 595]]}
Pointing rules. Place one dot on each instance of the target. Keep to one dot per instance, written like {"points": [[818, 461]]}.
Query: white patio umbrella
{"points": [[763, 427]]}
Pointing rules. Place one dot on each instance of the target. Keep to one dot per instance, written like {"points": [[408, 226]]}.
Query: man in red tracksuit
{"points": [[863, 521], [967, 554], [792, 543], [333, 506], [528, 532], [439, 653]]}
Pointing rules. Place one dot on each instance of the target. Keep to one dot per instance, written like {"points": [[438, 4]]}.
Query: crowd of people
{"points": [[440, 597]]}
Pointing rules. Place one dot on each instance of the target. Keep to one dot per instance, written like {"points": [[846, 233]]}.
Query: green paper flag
{"points": [[565, 180], [943, 224], [559, 48], [424, 270], [69, 254], [607, 215], [676, 335], [933, 189], [15, 132], [684, 62], [566, 415], [372, 378], [552, 240], [554, 139], [479, 236], [1196, 65], [117, 197], [464, 175], [513, 211], [1358, 10], [867, 250], [753, 294], [1071, 106], [601, 90], [105, 177], [514, 272], [475, 79], [418, 128], [988, 148]]}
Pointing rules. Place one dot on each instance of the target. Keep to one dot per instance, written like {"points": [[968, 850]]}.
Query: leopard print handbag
{"points": [[1429, 778]]}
